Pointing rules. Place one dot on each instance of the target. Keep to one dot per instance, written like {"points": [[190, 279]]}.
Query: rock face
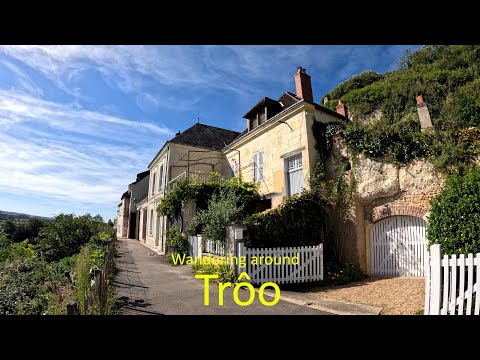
{"points": [[375, 180], [419, 177], [371, 118]]}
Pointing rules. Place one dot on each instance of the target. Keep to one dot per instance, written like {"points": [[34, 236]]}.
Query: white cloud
{"points": [[52, 150]]}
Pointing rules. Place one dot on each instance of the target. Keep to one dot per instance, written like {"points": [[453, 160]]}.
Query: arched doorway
{"points": [[398, 246]]}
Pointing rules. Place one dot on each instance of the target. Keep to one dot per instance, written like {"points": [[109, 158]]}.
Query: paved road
{"points": [[147, 285]]}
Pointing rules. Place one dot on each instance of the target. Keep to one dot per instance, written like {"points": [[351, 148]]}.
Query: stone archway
{"points": [[384, 211]]}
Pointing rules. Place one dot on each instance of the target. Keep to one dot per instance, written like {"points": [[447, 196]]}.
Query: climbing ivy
{"points": [[185, 190]]}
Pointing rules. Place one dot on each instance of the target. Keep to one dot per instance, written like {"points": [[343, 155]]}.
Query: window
{"points": [[294, 169], [258, 166], [153, 184], [160, 181], [151, 221], [235, 167]]}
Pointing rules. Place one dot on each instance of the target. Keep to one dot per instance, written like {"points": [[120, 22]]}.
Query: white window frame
{"points": [[161, 170], [258, 167], [153, 182], [288, 170]]}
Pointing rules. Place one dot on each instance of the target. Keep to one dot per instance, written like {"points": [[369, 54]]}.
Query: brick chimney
{"points": [[303, 85], [423, 114], [342, 109]]}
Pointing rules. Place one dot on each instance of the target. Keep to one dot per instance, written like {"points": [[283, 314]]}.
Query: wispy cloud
{"points": [[52, 150]]}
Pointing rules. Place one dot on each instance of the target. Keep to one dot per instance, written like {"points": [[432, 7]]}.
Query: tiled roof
{"points": [[205, 136]]}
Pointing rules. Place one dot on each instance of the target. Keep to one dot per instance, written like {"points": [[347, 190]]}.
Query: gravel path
{"points": [[397, 296]]}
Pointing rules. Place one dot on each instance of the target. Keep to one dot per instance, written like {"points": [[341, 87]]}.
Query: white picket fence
{"points": [[452, 284], [309, 268]]}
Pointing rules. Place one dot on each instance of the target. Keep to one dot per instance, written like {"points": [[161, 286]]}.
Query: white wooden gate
{"points": [[399, 246], [309, 268]]}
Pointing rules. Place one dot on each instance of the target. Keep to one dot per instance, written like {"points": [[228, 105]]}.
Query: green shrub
{"points": [[355, 82], [83, 278], [223, 209], [301, 221], [26, 287], [177, 243], [171, 205], [454, 221], [341, 274], [67, 233], [224, 271]]}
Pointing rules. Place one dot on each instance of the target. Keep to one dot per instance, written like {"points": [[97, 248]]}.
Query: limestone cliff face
{"points": [[375, 180], [415, 184]]}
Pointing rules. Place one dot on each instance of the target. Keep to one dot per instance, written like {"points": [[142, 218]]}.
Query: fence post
{"points": [[435, 279], [239, 249], [72, 308]]}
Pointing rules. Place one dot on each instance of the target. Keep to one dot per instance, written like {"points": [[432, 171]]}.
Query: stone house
{"points": [[277, 148], [192, 154], [123, 213], [386, 232], [127, 224]]}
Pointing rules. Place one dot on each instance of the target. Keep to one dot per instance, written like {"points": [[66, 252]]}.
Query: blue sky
{"points": [[77, 123]]}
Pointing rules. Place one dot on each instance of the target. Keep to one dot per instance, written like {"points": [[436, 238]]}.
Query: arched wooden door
{"points": [[399, 246]]}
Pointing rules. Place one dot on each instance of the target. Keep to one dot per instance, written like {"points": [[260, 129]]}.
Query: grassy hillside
{"points": [[8, 215], [448, 77]]}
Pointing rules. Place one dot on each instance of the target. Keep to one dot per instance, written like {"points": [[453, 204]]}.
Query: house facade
{"points": [[277, 149], [126, 221], [123, 214], [193, 154]]}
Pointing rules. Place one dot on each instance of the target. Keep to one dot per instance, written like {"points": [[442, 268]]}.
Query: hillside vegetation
{"points": [[448, 77]]}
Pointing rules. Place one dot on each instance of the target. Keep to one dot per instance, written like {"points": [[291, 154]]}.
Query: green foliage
{"points": [[12, 252], [177, 243], [83, 277], [340, 274], [27, 287], [67, 233], [301, 221], [29, 230], [396, 143], [223, 210], [9, 228], [454, 221], [355, 82], [448, 77], [171, 205], [323, 133], [224, 271]]}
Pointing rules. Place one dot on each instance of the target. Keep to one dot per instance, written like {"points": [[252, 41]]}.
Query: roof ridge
{"points": [[212, 126]]}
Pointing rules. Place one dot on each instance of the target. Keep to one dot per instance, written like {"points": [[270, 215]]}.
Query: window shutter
{"points": [[260, 165]]}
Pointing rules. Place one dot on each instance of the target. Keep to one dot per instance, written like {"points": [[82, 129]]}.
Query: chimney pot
{"points": [[303, 84], [177, 133], [420, 99], [342, 109]]}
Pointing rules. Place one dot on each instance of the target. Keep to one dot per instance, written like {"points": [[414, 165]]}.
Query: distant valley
{"points": [[6, 215]]}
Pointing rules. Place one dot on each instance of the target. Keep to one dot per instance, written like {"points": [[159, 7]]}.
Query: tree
{"points": [[9, 228], [66, 234], [110, 223], [29, 230]]}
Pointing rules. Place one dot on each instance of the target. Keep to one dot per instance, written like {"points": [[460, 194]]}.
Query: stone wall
{"points": [[382, 190]]}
